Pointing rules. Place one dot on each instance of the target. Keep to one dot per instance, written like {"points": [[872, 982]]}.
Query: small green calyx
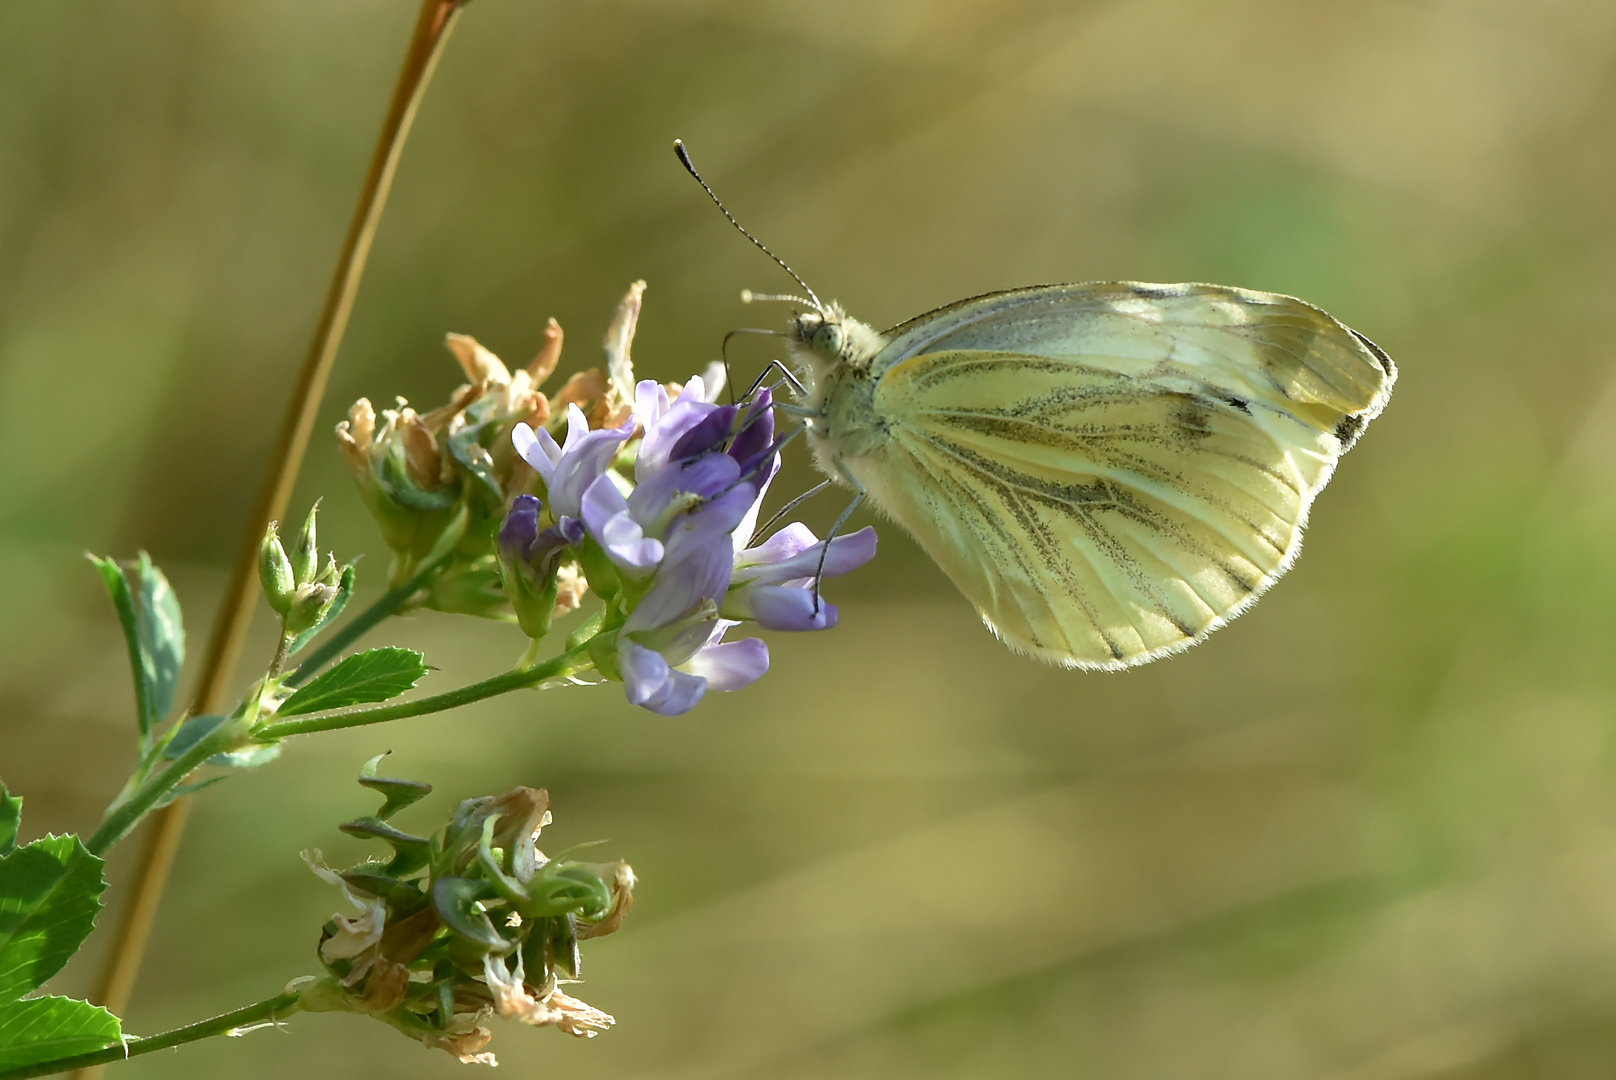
{"points": [[275, 572]]}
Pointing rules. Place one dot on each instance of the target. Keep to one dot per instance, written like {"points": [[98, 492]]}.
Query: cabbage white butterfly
{"points": [[1109, 471]]}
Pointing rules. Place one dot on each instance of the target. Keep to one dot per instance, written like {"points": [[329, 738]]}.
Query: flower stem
{"points": [[152, 793], [565, 664], [265, 1011], [361, 624], [432, 27]]}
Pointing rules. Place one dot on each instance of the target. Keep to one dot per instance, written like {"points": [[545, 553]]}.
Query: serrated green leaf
{"points": [[50, 891], [50, 1028], [162, 638], [123, 601], [10, 820], [375, 675], [399, 793], [345, 587]]}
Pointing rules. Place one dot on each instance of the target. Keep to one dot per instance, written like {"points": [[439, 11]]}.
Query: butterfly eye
{"points": [[828, 339]]}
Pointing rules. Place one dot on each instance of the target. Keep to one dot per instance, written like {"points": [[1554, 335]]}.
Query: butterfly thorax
{"points": [[834, 353]]}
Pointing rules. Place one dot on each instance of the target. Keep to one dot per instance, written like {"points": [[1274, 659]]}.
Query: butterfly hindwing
{"points": [[1109, 472]]}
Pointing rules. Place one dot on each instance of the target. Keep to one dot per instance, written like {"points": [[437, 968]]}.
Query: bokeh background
{"points": [[1368, 831]]}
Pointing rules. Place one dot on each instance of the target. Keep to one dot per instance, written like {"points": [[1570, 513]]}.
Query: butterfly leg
{"points": [[785, 373], [859, 491]]}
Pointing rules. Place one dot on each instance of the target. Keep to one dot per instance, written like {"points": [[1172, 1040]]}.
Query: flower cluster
{"points": [[667, 542], [438, 483], [469, 924]]}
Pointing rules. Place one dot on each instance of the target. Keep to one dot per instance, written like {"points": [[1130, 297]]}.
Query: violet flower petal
{"points": [[780, 607], [660, 437], [538, 449], [705, 434], [730, 665], [706, 477], [584, 459], [757, 431], [649, 681], [846, 553]]}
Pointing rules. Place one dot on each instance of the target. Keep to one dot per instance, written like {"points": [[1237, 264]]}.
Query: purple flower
{"points": [[673, 535], [773, 582], [567, 473]]}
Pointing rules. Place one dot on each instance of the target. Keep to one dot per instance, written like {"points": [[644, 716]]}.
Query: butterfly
{"points": [[1109, 471]]}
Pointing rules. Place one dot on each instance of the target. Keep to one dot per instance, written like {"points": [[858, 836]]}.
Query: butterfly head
{"points": [[833, 340]]}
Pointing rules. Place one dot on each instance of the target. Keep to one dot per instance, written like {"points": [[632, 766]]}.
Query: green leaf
{"points": [[162, 638], [345, 587], [50, 891], [124, 602], [10, 819], [50, 1028], [365, 677]]}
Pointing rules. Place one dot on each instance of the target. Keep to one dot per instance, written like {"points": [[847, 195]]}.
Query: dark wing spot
{"points": [[1239, 403], [1347, 428]]}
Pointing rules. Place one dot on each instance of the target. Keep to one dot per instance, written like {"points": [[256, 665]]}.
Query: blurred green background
{"points": [[1369, 831]]}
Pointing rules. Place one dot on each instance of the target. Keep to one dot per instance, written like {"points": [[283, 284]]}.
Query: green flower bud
{"points": [[275, 571], [306, 559]]}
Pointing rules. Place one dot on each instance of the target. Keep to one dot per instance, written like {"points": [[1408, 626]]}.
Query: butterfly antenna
{"points": [[684, 159]]}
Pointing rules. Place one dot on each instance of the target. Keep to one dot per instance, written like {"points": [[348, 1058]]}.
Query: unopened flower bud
{"points": [[308, 607], [306, 559], [275, 571], [530, 560]]}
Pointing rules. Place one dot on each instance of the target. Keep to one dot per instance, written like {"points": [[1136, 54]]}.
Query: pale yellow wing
{"points": [[1111, 471]]}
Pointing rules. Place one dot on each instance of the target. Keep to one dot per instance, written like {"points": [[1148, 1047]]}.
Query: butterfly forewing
{"points": [[1109, 472]]}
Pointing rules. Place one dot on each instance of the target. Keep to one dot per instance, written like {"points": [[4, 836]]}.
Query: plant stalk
{"points": [[432, 27], [559, 666], [263, 1012]]}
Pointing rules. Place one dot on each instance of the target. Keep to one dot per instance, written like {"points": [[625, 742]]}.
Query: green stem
{"points": [[119, 821], [273, 1009], [564, 664], [361, 624]]}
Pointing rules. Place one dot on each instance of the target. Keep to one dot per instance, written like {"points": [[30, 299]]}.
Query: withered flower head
{"points": [[472, 923]]}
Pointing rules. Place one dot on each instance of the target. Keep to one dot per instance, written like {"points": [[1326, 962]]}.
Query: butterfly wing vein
{"points": [[1131, 475]]}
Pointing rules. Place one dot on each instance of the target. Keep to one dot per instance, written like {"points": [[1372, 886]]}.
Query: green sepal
{"points": [[399, 793], [51, 1028], [404, 897], [10, 820], [410, 852], [573, 890], [458, 903], [599, 570], [345, 587], [465, 446], [586, 629], [50, 891], [370, 676]]}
